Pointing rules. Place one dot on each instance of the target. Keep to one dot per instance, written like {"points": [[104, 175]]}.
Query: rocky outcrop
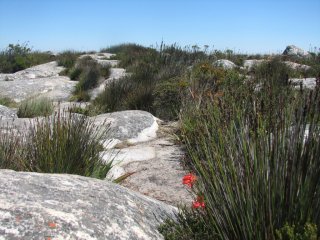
{"points": [[309, 83], [60, 206], [297, 66], [42, 80], [6, 112], [251, 63], [131, 126], [224, 63], [293, 50]]}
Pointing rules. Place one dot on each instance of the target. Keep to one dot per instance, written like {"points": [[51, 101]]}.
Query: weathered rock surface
{"points": [[224, 63], [6, 112], [131, 126], [251, 63], [309, 83], [60, 206], [297, 66], [155, 167], [293, 50], [42, 80]]}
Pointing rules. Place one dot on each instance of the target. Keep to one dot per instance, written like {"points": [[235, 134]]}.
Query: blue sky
{"points": [[248, 26]]}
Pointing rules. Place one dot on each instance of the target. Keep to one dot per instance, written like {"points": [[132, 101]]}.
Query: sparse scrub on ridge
{"points": [[35, 107], [147, 68], [88, 73], [17, 57]]}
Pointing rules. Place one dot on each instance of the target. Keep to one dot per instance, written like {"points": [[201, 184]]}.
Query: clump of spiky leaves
{"points": [[35, 107], [66, 143], [257, 167]]}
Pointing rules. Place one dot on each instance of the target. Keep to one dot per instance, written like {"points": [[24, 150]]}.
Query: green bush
{"points": [[66, 143], [67, 59], [167, 97], [35, 107], [105, 71], [307, 232]]}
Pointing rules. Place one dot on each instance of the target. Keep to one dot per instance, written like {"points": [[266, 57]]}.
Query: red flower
{"points": [[189, 179], [199, 203], [52, 225]]}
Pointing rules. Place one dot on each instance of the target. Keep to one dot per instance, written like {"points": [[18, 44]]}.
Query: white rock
{"points": [[61, 206], [293, 50], [224, 63]]}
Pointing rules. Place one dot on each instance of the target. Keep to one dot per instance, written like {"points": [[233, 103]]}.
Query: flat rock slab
{"points": [[60, 206], [42, 80], [6, 112], [155, 167], [132, 126]]}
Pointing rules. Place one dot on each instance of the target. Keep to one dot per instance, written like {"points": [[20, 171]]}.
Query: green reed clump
{"points": [[10, 143], [66, 143], [35, 107], [256, 173]]}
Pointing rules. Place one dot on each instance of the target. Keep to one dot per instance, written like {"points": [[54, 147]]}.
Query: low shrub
{"points": [[35, 107], [111, 99], [307, 232], [167, 98], [67, 59], [75, 73]]}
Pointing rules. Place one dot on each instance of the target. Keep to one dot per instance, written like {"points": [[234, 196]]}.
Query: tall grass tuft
{"points": [[35, 107], [256, 174], [66, 143], [10, 144]]}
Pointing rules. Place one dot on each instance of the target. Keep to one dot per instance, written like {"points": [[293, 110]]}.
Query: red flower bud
{"points": [[189, 179]]}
